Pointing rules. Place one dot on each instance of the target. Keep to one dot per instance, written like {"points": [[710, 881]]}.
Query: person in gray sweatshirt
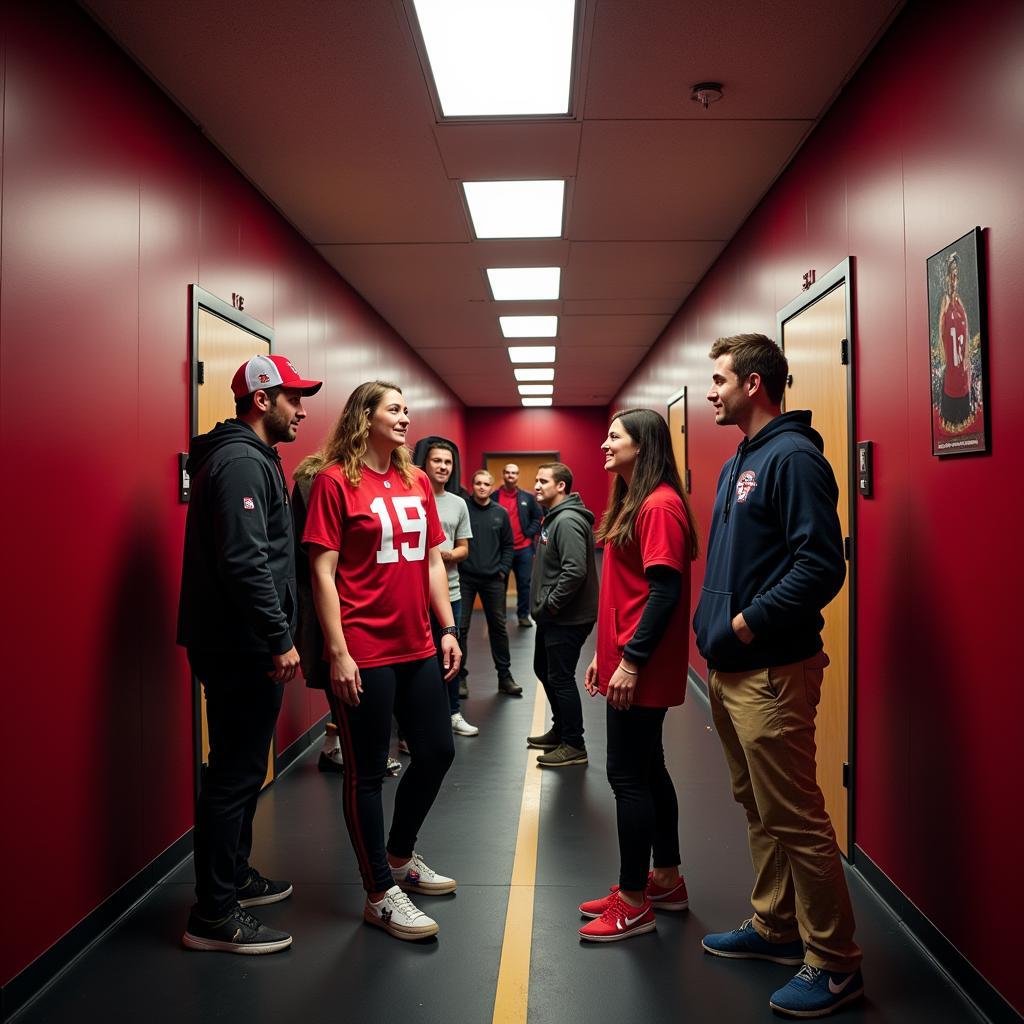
{"points": [[563, 602]]}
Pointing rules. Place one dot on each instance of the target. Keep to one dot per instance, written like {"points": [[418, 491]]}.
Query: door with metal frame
{"points": [[222, 339], [677, 424], [814, 332]]}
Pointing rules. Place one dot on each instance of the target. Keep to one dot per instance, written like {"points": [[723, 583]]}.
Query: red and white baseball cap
{"points": [[262, 372]]}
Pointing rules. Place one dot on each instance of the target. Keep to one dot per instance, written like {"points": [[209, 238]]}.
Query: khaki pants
{"points": [[765, 719]]}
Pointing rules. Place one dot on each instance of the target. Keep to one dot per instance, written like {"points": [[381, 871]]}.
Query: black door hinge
{"points": [[847, 548], [846, 775], [200, 372], [844, 352]]}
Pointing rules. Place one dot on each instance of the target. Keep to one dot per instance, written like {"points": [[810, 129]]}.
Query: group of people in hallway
{"points": [[395, 561]]}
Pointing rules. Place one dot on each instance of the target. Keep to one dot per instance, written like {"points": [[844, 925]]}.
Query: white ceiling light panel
{"points": [[494, 58], [536, 389], [515, 209], [535, 373], [524, 283], [536, 401], [532, 353], [528, 326]]}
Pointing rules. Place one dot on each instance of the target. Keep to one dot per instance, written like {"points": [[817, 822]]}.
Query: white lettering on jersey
{"points": [[411, 518]]}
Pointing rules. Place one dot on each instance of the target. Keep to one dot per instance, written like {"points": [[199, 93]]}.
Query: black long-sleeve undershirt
{"points": [[665, 586]]}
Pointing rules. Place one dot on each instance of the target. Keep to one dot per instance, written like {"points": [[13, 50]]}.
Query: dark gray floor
{"points": [[340, 970]]}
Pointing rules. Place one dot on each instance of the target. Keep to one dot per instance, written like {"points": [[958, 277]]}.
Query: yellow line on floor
{"points": [[511, 1000]]}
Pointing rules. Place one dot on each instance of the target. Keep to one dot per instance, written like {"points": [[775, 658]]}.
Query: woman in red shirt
{"points": [[640, 666], [372, 532]]}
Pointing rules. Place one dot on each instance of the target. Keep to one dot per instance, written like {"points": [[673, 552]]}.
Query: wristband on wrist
{"points": [[628, 671], [450, 631]]}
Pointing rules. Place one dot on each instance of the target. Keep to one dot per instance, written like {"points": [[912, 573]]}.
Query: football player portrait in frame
{"points": [[957, 330]]}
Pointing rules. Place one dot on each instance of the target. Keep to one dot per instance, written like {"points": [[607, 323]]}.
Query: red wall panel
{"points": [[910, 157], [576, 433], [112, 204]]}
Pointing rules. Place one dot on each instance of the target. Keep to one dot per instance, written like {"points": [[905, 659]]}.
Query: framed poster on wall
{"points": [[957, 335]]}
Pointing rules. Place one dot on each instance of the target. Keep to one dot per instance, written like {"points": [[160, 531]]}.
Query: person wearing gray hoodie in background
{"points": [[563, 603]]}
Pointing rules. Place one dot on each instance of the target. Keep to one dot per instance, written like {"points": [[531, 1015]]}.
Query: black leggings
{"points": [[414, 693], [646, 809]]}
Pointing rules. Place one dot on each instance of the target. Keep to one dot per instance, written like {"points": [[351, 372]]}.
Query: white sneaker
{"points": [[399, 916], [417, 877], [461, 727]]}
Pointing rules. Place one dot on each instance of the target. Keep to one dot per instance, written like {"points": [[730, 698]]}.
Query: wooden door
{"points": [[813, 341], [221, 347], [527, 463], [677, 430]]}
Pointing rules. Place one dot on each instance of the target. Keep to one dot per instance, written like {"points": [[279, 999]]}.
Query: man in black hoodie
{"points": [[484, 572], [236, 615], [563, 602], [775, 559]]}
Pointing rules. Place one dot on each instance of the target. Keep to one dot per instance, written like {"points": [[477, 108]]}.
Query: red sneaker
{"points": [[619, 921], [661, 899]]}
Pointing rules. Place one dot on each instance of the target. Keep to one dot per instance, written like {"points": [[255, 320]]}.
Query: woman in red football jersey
{"points": [[372, 532], [640, 666]]}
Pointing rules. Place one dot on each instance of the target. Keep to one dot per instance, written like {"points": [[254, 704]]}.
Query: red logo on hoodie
{"points": [[745, 485]]}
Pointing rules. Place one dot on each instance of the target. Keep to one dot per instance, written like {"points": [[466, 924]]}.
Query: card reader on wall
{"points": [[865, 471], [184, 482]]}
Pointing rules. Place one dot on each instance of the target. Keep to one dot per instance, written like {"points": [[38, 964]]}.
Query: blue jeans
{"points": [[452, 684], [522, 566]]}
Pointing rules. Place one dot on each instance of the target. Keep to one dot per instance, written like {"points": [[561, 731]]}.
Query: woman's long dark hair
{"points": [[655, 464]]}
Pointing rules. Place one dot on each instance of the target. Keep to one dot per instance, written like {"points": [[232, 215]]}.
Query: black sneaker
{"points": [[239, 932], [548, 741], [525, 621], [259, 891], [507, 685]]}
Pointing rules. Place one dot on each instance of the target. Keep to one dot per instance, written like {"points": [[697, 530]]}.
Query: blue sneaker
{"points": [[744, 943], [817, 993]]}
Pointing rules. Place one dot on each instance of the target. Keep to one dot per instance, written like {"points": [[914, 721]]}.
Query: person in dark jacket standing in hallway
{"points": [[484, 572], [236, 617], [775, 559], [563, 602], [524, 515]]}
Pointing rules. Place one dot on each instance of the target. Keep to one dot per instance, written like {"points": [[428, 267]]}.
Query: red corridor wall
{"points": [[112, 205], [924, 144]]}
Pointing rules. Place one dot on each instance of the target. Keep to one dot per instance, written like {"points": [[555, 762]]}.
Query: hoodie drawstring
{"points": [[733, 473]]}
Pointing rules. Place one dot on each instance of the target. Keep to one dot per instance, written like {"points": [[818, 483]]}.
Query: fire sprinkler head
{"points": [[706, 93]]}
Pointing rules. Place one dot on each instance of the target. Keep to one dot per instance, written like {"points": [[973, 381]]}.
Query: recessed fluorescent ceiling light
{"points": [[536, 389], [535, 373], [536, 401], [515, 283], [532, 353], [515, 209], [528, 326], [499, 57]]}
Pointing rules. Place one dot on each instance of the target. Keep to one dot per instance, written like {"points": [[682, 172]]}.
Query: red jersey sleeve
{"points": [[325, 514], [662, 532]]}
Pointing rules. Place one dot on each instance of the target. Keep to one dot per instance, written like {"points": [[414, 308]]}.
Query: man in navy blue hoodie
{"points": [[775, 559]]}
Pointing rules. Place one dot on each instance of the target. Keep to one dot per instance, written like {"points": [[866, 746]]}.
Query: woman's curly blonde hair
{"points": [[347, 443]]}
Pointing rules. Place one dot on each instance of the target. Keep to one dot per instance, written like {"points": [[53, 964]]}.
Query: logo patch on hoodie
{"points": [[745, 485], [248, 503]]}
